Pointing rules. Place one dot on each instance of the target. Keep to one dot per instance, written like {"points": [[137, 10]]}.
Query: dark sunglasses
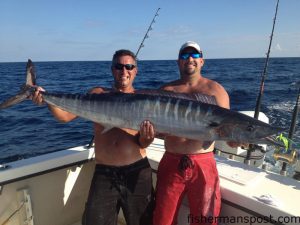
{"points": [[119, 66], [193, 55]]}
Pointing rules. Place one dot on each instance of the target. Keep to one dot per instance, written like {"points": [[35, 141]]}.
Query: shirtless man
{"points": [[122, 177], [188, 166]]}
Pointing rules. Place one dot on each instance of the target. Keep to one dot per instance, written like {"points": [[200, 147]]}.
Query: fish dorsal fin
{"points": [[205, 98], [188, 96]]}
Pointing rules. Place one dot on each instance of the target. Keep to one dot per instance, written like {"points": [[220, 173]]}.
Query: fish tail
{"points": [[30, 74], [26, 90]]}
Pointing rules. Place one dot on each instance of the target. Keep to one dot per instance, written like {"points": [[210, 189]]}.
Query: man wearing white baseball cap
{"points": [[188, 166], [190, 44]]}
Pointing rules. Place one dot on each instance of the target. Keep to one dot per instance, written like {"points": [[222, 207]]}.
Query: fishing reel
{"points": [[288, 156]]}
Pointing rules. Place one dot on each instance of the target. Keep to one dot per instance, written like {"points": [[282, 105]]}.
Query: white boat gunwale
{"points": [[36, 166]]}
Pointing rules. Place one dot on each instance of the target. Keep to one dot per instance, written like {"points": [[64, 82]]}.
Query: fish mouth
{"points": [[270, 140], [270, 131], [270, 136], [266, 134]]}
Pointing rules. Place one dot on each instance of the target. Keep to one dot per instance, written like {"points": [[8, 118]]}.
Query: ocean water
{"points": [[28, 130]]}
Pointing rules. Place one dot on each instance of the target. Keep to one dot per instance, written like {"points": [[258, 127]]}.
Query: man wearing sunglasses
{"points": [[123, 176], [188, 166]]}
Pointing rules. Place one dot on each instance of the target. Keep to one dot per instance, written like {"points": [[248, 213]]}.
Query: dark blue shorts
{"points": [[113, 187]]}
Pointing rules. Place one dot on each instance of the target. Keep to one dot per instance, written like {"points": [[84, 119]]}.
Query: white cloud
{"points": [[278, 47]]}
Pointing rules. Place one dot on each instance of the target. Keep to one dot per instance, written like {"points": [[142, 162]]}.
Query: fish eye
{"points": [[214, 124], [250, 128]]}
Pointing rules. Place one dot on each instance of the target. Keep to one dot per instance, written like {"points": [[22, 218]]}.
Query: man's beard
{"points": [[189, 71]]}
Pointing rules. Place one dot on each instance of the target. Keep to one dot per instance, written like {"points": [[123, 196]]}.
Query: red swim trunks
{"points": [[196, 176]]}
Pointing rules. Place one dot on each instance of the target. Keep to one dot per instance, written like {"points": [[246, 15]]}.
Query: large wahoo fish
{"points": [[171, 113]]}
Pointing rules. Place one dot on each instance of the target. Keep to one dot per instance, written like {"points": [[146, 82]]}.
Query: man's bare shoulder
{"points": [[217, 90], [171, 85], [97, 90], [214, 85]]}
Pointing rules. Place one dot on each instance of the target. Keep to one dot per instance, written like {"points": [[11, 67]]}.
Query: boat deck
{"points": [[246, 190]]}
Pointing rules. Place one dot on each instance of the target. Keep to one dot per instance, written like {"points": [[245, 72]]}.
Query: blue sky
{"points": [[59, 30]]}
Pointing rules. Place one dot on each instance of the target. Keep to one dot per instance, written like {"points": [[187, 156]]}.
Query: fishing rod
{"points": [[264, 74], [289, 154], [146, 35], [295, 115], [136, 54], [262, 84]]}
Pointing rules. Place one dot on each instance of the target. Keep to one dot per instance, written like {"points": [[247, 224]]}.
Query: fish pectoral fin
{"points": [[106, 129]]}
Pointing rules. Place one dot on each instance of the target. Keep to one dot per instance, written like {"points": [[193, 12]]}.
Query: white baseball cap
{"points": [[191, 44]]}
